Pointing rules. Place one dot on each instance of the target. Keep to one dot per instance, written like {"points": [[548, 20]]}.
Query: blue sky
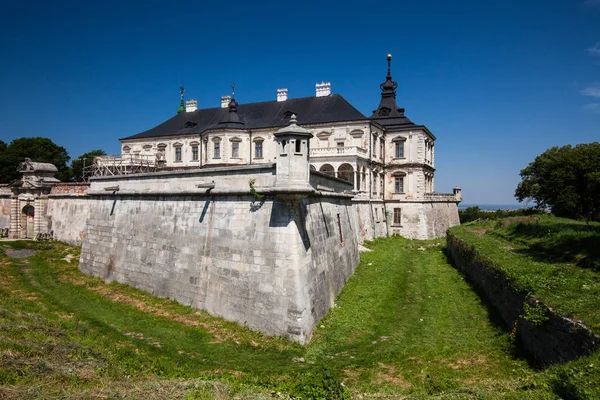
{"points": [[498, 82]]}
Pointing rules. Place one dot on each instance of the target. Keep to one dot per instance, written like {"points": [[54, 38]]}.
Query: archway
{"points": [[327, 169], [346, 172], [27, 222]]}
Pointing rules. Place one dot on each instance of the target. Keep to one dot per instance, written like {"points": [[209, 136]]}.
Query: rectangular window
{"points": [[374, 147], [399, 184], [340, 144], [194, 153], [258, 149], [397, 216], [178, 154], [399, 150], [217, 150], [298, 146], [235, 150]]}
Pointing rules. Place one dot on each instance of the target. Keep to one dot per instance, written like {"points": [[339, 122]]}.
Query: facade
{"points": [[388, 159]]}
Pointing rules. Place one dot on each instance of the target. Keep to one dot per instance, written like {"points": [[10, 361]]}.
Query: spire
{"points": [[232, 119], [388, 88], [181, 103], [233, 104], [387, 106]]}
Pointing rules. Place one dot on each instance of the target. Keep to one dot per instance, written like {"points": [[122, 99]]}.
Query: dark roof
{"points": [[268, 114], [388, 113]]}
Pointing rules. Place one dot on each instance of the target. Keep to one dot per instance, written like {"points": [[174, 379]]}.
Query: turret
{"points": [[293, 169]]}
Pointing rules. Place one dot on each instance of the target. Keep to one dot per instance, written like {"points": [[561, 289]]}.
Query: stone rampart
{"points": [[274, 264], [554, 340], [423, 219]]}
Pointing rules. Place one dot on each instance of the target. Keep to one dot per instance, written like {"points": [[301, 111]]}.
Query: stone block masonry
{"points": [[275, 265]]}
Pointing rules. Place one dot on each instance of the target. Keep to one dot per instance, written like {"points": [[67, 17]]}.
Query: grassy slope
{"points": [[555, 258], [558, 260], [405, 325]]}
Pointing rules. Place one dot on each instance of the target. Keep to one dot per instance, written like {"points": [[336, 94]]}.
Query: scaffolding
{"points": [[125, 165]]}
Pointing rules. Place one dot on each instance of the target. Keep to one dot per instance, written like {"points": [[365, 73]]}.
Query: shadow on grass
{"points": [[494, 317], [558, 242]]}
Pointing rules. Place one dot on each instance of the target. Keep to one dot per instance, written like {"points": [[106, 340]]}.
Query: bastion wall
{"points": [[275, 264]]}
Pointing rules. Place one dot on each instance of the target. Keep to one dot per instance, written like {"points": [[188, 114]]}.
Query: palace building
{"points": [[386, 157]]}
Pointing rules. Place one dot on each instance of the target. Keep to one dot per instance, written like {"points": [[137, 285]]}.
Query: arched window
{"points": [[346, 172], [327, 169]]}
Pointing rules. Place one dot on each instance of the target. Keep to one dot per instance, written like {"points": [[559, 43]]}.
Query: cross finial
{"points": [[232, 90], [181, 90]]}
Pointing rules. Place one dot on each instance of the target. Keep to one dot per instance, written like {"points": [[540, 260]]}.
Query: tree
{"points": [[565, 179], [82, 161], [38, 149]]}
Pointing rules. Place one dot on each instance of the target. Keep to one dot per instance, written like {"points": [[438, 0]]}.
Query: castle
{"points": [[388, 159], [253, 212]]}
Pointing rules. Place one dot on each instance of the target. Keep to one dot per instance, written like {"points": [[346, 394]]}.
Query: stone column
{"points": [[14, 218], [355, 179], [36, 216]]}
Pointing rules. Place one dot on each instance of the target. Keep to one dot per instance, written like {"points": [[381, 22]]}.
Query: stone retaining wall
{"points": [[556, 339]]}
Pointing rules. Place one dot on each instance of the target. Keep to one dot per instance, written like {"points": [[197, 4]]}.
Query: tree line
{"points": [[42, 149], [565, 180]]}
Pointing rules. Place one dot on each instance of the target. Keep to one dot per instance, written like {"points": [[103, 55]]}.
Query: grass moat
{"points": [[406, 325]]}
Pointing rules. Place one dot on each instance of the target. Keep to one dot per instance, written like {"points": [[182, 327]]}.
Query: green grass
{"points": [[406, 325], [555, 258]]}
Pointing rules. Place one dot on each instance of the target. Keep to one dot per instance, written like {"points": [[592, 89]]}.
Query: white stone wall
{"points": [[67, 217], [423, 220], [269, 267], [148, 148], [4, 211], [370, 219]]}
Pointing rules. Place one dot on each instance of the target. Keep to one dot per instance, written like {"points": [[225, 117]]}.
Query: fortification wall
{"points": [[557, 339], [370, 219], [67, 211], [5, 195], [275, 265], [423, 220], [67, 218]]}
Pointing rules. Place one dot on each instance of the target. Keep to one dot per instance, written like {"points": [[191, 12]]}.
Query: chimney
{"points": [[323, 89], [225, 100], [282, 94], [191, 105]]}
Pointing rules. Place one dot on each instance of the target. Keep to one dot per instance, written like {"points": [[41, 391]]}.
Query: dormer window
{"points": [[288, 114], [190, 124]]}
